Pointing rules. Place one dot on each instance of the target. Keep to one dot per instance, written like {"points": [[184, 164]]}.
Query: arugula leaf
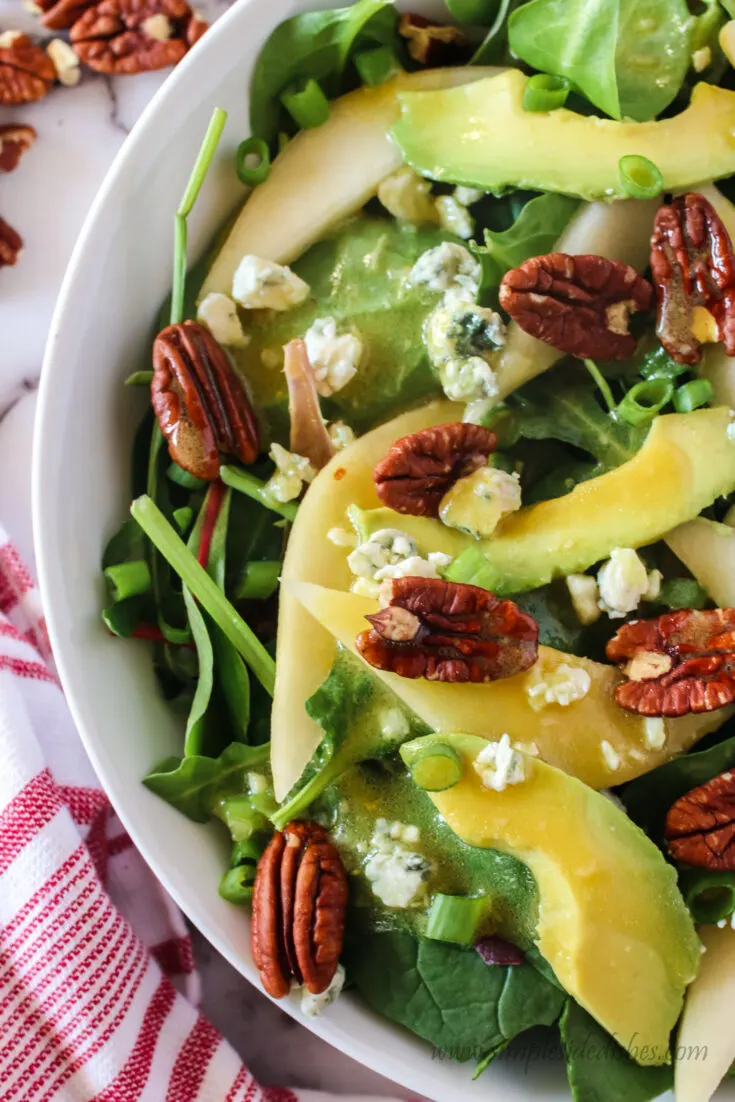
{"points": [[628, 57], [534, 232], [192, 785], [317, 45], [599, 1070], [349, 707], [448, 995], [196, 720]]}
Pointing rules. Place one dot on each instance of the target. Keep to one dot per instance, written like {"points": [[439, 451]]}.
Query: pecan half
{"points": [[419, 469], [26, 74], [433, 44], [692, 264], [680, 662], [133, 36], [700, 827], [578, 304], [15, 139], [299, 904], [446, 631], [11, 244], [59, 15], [200, 401]]}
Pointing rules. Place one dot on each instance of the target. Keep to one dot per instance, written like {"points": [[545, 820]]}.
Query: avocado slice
{"points": [[591, 738], [686, 462], [612, 923], [480, 135]]}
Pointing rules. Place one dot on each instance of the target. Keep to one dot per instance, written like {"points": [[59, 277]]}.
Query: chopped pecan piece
{"points": [[15, 139], [26, 74], [680, 662], [419, 469], [578, 304], [59, 15], [692, 264], [11, 244], [133, 36], [299, 904], [433, 44], [700, 827], [445, 631], [200, 401]]}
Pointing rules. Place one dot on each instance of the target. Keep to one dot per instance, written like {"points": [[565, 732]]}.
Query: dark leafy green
{"points": [[599, 1070], [448, 995], [493, 50], [193, 785], [628, 57], [534, 232]]}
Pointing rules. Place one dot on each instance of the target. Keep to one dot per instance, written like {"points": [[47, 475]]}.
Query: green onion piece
{"points": [[306, 104], [240, 817], [139, 378], [182, 478], [249, 852], [455, 918], [545, 93], [658, 364], [692, 395], [644, 400], [639, 177], [708, 893], [682, 593], [201, 167], [376, 66], [128, 579], [259, 581], [236, 886], [183, 518], [602, 384], [246, 483], [204, 589], [251, 175], [436, 767]]}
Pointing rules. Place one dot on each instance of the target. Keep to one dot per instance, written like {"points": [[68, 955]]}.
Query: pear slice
{"points": [[705, 1046], [325, 175], [592, 739], [708, 550]]}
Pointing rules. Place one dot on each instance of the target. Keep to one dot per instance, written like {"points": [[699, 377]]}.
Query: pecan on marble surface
{"points": [[700, 827], [15, 139], [133, 36], [11, 244], [26, 73], [578, 304]]}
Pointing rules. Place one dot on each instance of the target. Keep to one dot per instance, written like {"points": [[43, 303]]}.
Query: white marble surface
{"points": [[79, 132]]}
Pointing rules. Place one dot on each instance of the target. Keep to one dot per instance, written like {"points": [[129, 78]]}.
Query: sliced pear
{"points": [[325, 175], [305, 651], [708, 550], [592, 739], [705, 1046]]}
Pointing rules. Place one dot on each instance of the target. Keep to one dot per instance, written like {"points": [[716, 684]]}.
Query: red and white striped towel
{"points": [[92, 949]]}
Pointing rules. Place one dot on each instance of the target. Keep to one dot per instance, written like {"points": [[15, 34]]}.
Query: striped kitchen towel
{"points": [[97, 977]]}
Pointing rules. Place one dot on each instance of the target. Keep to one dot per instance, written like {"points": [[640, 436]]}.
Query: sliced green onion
{"points": [[139, 378], [201, 166], [644, 400], [639, 177], [658, 364], [455, 918], [602, 384], [246, 483], [259, 581], [240, 817], [182, 478], [376, 66], [128, 579], [692, 395], [709, 894], [183, 518], [249, 852], [236, 886], [682, 593], [253, 174], [306, 104], [204, 589], [436, 767], [545, 93]]}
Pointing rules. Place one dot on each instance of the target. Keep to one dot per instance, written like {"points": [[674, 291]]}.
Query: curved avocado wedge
{"points": [[612, 923], [686, 462], [480, 135], [570, 738], [324, 175]]}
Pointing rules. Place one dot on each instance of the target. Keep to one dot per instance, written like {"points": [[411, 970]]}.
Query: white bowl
{"points": [[102, 330]]}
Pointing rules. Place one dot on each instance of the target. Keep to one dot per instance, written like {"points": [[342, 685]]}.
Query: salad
{"points": [[433, 530]]}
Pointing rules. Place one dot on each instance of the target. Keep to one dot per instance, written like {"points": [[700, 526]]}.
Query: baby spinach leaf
{"points": [[599, 1070], [534, 232], [628, 57], [493, 50], [448, 995], [193, 784], [317, 45]]}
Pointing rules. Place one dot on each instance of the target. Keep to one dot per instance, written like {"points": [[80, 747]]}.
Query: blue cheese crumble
{"points": [[334, 357], [398, 875], [447, 266], [314, 1005], [391, 553], [264, 285], [292, 472], [498, 764], [219, 314], [564, 685], [624, 582]]}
